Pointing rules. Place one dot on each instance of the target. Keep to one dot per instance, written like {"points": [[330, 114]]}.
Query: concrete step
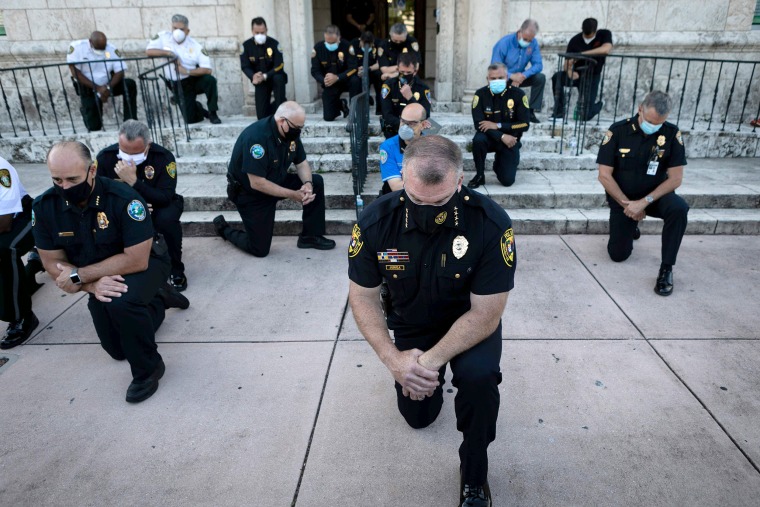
{"points": [[525, 221], [342, 145]]}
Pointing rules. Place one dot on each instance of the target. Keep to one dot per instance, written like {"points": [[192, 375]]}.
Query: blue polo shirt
{"points": [[509, 52], [391, 158]]}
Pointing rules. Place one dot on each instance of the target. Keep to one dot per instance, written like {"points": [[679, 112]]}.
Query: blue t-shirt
{"points": [[391, 158], [509, 52]]}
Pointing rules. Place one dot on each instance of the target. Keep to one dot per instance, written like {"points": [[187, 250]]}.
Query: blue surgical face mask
{"points": [[649, 128], [523, 44], [497, 86], [406, 132], [331, 47]]}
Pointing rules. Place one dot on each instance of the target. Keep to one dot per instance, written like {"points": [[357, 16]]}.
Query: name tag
{"points": [[65, 234], [652, 168]]}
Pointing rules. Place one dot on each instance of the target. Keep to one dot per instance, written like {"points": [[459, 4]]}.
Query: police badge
{"points": [[459, 247], [102, 220], [150, 172]]}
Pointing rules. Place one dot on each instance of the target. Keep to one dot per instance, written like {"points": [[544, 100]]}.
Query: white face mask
{"points": [[99, 52], [137, 158], [588, 41], [260, 38], [178, 35]]}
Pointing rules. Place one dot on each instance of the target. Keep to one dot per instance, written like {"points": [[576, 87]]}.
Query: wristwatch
{"points": [[74, 276], [498, 125], [649, 199]]}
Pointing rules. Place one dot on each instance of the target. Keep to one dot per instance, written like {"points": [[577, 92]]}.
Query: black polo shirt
{"points": [[338, 62], [156, 177], [393, 102], [628, 151], [578, 45], [510, 108], [266, 58], [115, 218], [259, 150], [430, 277], [389, 51]]}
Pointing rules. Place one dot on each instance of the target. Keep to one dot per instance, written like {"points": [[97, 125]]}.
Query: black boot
{"points": [[664, 285], [478, 180]]}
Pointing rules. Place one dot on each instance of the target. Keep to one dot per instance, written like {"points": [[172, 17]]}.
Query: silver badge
{"points": [[460, 246]]}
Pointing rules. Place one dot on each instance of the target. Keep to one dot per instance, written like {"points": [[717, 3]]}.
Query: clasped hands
{"points": [[635, 210], [104, 289], [417, 378], [304, 195]]}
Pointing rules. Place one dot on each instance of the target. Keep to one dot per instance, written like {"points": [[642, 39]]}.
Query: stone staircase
{"points": [[554, 193]]}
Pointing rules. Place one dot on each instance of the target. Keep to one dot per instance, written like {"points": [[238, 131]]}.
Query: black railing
{"points": [[579, 75], [358, 128], [708, 94], [159, 94], [47, 99]]}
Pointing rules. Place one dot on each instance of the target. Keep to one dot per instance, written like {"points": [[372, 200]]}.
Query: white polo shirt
{"points": [[190, 53], [100, 72], [11, 189]]}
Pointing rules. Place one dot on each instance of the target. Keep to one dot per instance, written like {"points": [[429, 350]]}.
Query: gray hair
{"points": [[497, 66], [288, 109], [133, 129], [432, 159], [399, 29], [179, 18], [660, 101], [78, 147], [529, 24], [332, 30]]}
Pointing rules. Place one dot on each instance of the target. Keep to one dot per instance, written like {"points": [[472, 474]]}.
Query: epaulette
{"points": [[492, 210], [382, 207]]}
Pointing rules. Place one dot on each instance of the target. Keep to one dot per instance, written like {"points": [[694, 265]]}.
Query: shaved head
{"points": [[98, 40]]}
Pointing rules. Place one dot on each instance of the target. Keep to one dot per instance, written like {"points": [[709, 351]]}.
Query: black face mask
{"points": [[398, 46], [292, 134], [429, 218], [404, 80], [76, 194]]}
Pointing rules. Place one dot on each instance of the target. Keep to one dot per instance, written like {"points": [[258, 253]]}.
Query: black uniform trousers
{"points": [[560, 80], [92, 108], [670, 207], [166, 221], [257, 211], [477, 376], [15, 296], [537, 82], [376, 81], [264, 91], [506, 161], [331, 96], [191, 87], [127, 325]]}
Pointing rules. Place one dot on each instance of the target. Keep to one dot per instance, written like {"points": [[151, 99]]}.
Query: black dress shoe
{"points": [[220, 224], [318, 242], [636, 233], [143, 389], [472, 496], [202, 109], [533, 118], [172, 298], [476, 181], [214, 118], [19, 331], [344, 107], [179, 282], [664, 285]]}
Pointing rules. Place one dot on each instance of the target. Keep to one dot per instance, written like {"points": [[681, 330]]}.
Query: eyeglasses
{"points": [[410, 123], [293, 125]]}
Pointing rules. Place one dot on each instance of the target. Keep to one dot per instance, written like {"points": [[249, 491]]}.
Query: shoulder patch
{"points": [[383, 156], [71, 49], [525, 101], [416, 47], [118, 53], [380, 51], [204, 52], [475, 101], [136, 211], [386, 90], [155, 37], [356, 242], [95, 163], [257, 151], [34, 220], [427, 95], [313, 53], [508, 247], [279, 49], [171, 169], [607, 137], [5, 178], [679, 138]]}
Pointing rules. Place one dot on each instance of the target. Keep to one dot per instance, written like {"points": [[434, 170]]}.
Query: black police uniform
{"points": [[360, 10], [15, 292], [430, 277], [157, 184], [640, 164], [375, 76], [510, 109], [593, 78], [114, 219], [389, 51], [338, 62], [394, 102], [259, 150], [267, 59]]}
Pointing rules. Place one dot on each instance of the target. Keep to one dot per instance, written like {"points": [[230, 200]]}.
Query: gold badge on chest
{"points": [[269, 52], [292, 146], [150, 172], [416, 95], [661, 141], [459, 247], [510, 103], [102, 220]]}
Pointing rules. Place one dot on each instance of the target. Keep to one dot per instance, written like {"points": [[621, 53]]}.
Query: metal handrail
{"points": [[578, 137], [358, 128]]}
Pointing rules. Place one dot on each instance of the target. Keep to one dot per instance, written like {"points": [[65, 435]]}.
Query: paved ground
{"points": [[611, 394]]}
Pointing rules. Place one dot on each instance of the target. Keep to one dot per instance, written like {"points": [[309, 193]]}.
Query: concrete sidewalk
{"points": [[611, 394]]}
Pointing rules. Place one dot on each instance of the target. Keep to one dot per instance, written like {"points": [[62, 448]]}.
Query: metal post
{"points": [[715, 95], [21, 101], [52, 102], [730, 96], [66, 98], [699, 94], [746, 97], [683, 90], [8, 108]]}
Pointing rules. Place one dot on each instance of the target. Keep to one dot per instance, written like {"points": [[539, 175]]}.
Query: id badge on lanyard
{"points": [[654, 163]]}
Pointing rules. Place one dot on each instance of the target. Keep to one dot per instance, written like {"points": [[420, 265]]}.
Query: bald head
{"points": [[292, 111], [70, 163], [414, 112], [98, 40]]}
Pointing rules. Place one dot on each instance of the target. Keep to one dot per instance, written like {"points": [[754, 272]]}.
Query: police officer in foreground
{"points": [[15, 240], [95, 235], [192, 69], [333, 68], [151, 170], [96, 82], [402, 90], [398, 42], [448, 256], [258, 178], [413, 122], [641, 163], [501, 115], [366, 46], [261, 62]]}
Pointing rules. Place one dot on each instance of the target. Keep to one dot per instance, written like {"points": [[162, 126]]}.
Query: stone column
{"points": [[444, 47], [481, 37], [301, 44]]}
